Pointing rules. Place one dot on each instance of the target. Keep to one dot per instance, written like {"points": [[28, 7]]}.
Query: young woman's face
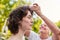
{"points": [[27, 22]]}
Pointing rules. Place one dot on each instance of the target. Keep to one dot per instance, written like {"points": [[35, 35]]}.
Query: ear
{"points": [[20, 22]]}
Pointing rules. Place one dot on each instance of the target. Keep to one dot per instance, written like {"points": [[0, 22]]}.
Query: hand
{"points": [[36, 8]]}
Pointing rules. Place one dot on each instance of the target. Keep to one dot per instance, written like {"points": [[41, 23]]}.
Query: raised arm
{"points": [[50, 24]]}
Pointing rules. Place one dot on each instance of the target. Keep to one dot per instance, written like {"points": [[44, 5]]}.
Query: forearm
{"points": [[50, 24]]}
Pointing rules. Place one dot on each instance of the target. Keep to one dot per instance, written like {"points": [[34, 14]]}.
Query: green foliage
{"points": [[5, 7], [58, 24], [36, 25], [4, 36]]}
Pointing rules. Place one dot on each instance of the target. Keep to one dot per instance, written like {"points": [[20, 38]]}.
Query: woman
{"points": [[20, 20]]}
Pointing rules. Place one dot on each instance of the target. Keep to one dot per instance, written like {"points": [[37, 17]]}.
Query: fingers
{"points": [[35, 7], [35, 4]]}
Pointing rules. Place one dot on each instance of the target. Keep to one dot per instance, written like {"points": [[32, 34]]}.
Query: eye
{"points": [[29, 17], [44, 25], [41, 27]]}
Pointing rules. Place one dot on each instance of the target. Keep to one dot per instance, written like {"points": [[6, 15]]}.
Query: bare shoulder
{"points": [[9, 39]]}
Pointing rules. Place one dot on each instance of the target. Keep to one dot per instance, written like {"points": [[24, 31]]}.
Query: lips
{"points": [[41, 31], [31, 25]]}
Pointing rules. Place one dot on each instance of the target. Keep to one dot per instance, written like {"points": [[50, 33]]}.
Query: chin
{"points": [[30, 29]]}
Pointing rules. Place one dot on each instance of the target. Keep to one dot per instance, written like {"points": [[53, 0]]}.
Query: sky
{"points": [[50, 8]]}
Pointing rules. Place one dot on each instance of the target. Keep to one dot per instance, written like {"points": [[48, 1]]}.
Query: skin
{"points": [[50, 24], [44, 31], [25, 24], [54, 37]]}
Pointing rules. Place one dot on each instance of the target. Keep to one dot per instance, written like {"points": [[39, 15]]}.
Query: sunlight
{"points": [[50, 8]]}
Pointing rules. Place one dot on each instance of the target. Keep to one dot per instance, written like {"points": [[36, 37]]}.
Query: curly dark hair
{"points": [[15, 16]]}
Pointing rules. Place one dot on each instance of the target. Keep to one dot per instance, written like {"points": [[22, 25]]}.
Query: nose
{"points": [[32, 20]]}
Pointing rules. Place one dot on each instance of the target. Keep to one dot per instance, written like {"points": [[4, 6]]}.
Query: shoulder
{"points": [[33, 33], [50, 38], [33, 36]]}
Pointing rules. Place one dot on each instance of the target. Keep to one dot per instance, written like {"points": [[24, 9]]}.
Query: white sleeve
{"points": [[50, 38], [33, 36]]}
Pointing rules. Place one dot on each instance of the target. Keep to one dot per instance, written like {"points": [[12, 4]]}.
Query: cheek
{"points": [[47, 31], [26, 24]]}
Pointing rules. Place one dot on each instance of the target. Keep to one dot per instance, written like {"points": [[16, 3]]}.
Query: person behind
{"points": [[44, 33], [20, 20], [51, 25]]}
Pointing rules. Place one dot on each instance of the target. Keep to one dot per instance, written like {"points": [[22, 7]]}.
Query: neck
{"points": [[18, 36], [44, 36], [20, 33]]}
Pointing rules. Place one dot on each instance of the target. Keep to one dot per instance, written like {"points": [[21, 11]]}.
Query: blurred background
{"points": [[49, 8]]}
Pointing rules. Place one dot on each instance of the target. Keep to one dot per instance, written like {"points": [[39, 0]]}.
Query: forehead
{"points": [[44, 25], [29, 13]]}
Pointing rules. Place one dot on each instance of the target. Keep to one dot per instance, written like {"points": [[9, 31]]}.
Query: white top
{"points": [[23, 37], [49, 38], [35, 36]]}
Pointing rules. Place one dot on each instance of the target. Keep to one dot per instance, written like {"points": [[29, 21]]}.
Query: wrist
{"points": [[38, 12]]}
